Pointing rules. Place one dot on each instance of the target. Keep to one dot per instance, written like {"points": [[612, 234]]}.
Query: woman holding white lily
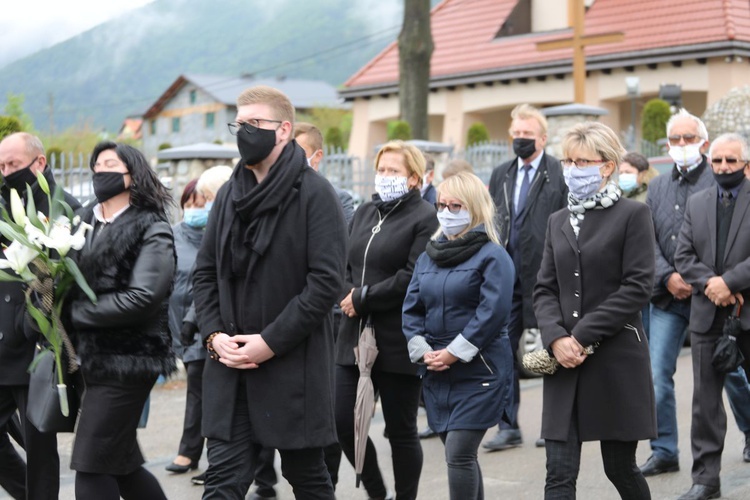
{"points": [[123, 341]]}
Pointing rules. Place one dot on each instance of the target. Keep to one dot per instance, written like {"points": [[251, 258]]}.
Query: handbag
{"points": [[43, 408], [542, 362], [727, 356]]}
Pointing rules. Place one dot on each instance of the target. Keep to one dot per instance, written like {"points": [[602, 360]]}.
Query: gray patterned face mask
{"points": [[452, 224], [583, 182]]}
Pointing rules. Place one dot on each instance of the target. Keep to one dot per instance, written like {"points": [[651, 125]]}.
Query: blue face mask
{"points": [[208, 205], [628, 182], [196, 217]]}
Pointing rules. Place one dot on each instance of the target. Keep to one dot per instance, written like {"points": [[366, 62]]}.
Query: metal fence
{"points": [[485, 156]]}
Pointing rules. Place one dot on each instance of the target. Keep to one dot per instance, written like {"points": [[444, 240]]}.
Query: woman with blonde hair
{"points": [[455, 319]]}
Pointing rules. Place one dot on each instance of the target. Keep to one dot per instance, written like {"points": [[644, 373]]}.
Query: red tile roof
{"points": [[464, 32]]}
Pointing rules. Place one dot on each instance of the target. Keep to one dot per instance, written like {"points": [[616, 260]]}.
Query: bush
{"points": [[656, 114], [9, 125], [477, 133], [334, 138], [399, 130], [54, 156], [164, 145]]}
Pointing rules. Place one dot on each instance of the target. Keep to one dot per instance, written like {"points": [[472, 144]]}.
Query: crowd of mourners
{"points": [[293, 314]]}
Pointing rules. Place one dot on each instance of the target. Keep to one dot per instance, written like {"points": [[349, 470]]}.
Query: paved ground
{"points": [[511, 474]]}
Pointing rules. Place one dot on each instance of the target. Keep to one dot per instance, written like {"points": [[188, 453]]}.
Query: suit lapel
{"points": [[567, 230], [711, 199], [738, 215]]}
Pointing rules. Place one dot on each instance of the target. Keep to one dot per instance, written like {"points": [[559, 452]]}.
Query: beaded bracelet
{"points": [[210, 347]]}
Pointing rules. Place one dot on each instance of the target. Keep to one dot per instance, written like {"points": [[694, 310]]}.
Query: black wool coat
{"points": [[130, 266], [288, 300], [594, 289], [387, 271], [16, 350], [547, 194]]}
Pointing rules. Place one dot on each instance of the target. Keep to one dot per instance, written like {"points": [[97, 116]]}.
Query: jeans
{"points": [[668, 329], [738, 394], [464, 474]]}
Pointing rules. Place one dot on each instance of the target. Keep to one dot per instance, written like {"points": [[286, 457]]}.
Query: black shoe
{"points": [[181, 469], [504, 439], [701, 492], [427, 434], [255, 496], [199, 480], [655, 466], [539, 443], [746, 451]]}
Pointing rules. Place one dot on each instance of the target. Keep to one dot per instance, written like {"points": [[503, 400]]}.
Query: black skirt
{"points": [[105, 441]]}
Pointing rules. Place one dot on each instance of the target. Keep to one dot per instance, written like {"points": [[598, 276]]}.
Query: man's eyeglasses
{"points": [[730, 161], [674, 140], [453, 208], [250, 126], [579, 162]]}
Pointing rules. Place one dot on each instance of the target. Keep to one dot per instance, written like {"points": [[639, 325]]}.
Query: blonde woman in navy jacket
{"points": [[455, 319]]}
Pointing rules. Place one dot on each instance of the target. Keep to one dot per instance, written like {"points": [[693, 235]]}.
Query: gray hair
{"points": [[212, 179], [730, 137], [684, 113]]}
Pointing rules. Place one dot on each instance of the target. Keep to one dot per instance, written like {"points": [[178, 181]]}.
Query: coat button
{"points": [[575, 314], [676, 207], [576, 273], [7, 298], [577, 293], [674, 237], [1, 335]]}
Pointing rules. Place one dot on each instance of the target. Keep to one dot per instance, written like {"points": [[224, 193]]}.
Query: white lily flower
{"points": [[35, 235], [79, 238], [16, 208], [61, 239], [17, 258]]}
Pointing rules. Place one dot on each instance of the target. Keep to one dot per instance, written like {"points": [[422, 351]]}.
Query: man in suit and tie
{"points": [[713, 256], [526, 190]]}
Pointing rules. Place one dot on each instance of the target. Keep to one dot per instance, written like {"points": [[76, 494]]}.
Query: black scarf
{"points": [[450, 253], [256, 208]]}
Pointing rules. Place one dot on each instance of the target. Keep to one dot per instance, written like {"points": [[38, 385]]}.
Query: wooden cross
{"points": [[578, 42]]}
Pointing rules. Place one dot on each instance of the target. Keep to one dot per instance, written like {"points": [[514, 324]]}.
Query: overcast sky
{"points": [[30, 25]]}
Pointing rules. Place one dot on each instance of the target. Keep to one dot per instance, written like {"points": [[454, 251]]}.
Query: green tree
{"points": [[477, 133], [334, 138], [9, 125], [656, 114], [14, 107], [399, 129]]}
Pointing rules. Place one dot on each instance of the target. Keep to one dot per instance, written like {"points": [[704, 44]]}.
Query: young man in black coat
{"points": [[21, 158], [268, 272], [526, 190]]}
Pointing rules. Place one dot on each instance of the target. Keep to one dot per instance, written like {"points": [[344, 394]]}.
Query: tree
{"points": [[14, 107], [9, 125], [399, 130], [334, 139], [415, 50], [656, 114], [477, 133]]}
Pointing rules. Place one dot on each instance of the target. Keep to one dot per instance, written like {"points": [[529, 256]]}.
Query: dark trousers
{"points": [[515, 330], [232, 464], [709, 422], [399, 397], [137, 485], [12, 468], [265, 472], [464, 473], [564, 460], [42, 460], [191, 443]]}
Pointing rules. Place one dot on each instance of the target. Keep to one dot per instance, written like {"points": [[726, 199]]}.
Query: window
{"points": [[192, 96], [210, 119], [175, 124], [152, 127]]}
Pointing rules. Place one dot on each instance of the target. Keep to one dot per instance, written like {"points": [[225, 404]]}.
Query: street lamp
{"points": [[633, 86]]}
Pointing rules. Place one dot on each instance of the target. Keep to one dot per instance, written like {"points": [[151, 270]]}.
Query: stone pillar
{"points": [[561, 118]]}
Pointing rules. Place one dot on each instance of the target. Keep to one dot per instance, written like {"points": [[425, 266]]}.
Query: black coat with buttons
{"points": [[594, 288], [16, 350]]}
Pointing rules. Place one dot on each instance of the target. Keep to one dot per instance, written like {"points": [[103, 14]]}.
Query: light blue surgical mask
{"points": [[628, 182], [208, 205], [583, 182], [196, 217]]}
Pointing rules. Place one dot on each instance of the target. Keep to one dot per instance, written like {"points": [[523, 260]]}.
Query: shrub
{"points": [[9, 125], [656, 114], [334, 138], [164, 145], [399, 129], [477, 133]]}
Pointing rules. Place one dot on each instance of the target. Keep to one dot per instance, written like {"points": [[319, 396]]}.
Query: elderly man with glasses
{"points": [[671, 299]]}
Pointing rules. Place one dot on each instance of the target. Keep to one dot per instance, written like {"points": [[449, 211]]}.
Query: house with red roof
{"points": [[487, 60]]}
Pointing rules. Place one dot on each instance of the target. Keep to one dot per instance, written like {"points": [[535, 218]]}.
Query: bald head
{"points": [[19, 151]]}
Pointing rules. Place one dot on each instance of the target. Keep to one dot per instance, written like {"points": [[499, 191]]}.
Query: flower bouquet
{"points": [[37, 255]]}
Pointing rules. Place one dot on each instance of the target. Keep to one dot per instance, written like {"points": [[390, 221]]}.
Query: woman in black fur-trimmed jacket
{"points": [[122, 341]]}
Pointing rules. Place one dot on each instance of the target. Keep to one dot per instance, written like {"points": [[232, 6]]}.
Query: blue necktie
{"points": [[524, 192]]}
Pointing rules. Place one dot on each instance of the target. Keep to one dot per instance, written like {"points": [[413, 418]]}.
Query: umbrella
{"points": [[364, 407], [727, 355]]}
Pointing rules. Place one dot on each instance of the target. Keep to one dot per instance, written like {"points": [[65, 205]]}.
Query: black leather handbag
{"points": [[43, 409]]}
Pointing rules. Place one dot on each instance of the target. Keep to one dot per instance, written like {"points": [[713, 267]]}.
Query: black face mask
{"points": [[731, 180], [20, 178], [256, 146], [108, 184], [524, 147]]}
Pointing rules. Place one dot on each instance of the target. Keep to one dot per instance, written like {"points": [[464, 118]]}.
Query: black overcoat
{"points": [[594, 288], [547, 194], [288, 300]]}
